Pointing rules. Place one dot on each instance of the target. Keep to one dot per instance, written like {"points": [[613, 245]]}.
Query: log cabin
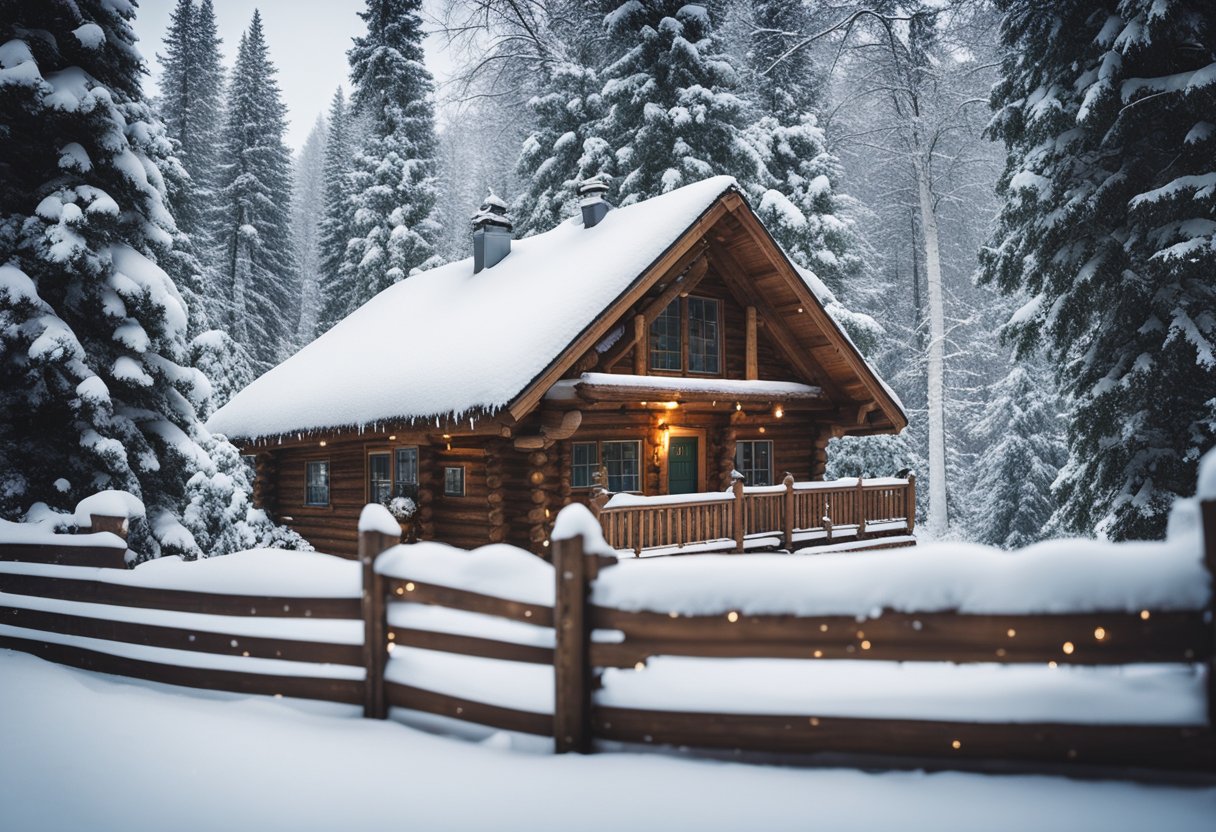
{"points": [[662, 346]]}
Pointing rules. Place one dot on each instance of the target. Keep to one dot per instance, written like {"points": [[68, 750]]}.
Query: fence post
{"points": [[788, 504], [910, 502], [571, 665], [373, 541], [1207, 510], [736, 486], [861, 508]]}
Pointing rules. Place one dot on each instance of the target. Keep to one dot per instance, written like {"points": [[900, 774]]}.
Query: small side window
{"points": [[453, 481], [317, 483]]}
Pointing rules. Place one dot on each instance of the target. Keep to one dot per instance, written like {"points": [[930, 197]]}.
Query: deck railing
{"points": [[790, 515]]}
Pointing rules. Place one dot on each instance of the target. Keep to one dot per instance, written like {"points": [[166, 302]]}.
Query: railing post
{"points": [[788, 506], [910, 502], [375, 537], [1207, 510], [861, 508], [736, 486], [571, 665]]}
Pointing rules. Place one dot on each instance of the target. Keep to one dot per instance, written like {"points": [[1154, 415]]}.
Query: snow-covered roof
{"points": [[450, 342]]}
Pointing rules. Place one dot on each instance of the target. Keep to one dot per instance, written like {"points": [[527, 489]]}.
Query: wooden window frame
{"points": [[684, 371], [463, 486], [754, 442], [595, 468], [328, 482]]}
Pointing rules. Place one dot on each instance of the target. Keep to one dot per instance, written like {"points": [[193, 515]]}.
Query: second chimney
{"points": [[491, 233], [591, 200]]}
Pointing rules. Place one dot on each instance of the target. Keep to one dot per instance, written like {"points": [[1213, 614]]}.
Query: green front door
{"points": [[682, 465]]}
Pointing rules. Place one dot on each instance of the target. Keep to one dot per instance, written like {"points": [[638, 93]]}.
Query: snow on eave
{"points": [[447, 344]]}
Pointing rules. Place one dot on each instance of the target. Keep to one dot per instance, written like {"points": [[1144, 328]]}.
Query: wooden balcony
{"points": [[792, 516]]}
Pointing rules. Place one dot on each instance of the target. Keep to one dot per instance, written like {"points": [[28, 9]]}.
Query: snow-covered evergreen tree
{"points": [[1024, 448], [307, 211], [1110, 227], [93, 386], [334, 230], [253, 225], [190, 104], [393, 228], [673, 116]]}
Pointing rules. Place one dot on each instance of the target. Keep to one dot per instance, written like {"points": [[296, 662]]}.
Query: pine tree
{"points": [[308, 210], [191, 106], [1110, 227], [253, 226], [334, 230], [1024, 438], [393, 178], [93, 386], [673, 117]]}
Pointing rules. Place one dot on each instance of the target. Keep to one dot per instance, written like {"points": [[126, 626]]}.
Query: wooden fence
{"points": [[791, 515], [108, 613]]}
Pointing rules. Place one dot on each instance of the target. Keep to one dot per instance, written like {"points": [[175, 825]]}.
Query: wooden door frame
{"points": [[696, 433]]}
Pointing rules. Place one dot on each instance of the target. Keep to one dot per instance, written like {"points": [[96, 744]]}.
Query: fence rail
{"points": [[791, 515]]}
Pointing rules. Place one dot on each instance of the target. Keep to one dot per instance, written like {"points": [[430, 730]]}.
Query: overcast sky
{"points": [[308, 40]]}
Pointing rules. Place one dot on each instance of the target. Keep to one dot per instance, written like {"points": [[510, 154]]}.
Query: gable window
{"points": [[405, 473], [687, 327], [453, 481], [584, 462], [379, 477], [623, 461], [703, 336], [316, 490], [754, 459]]}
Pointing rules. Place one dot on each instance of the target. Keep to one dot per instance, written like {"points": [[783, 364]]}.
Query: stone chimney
{"points": [[491, 233], [591, 200]]}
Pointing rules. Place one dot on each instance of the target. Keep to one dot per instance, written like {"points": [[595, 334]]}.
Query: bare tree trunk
{"points": [[938, 517]]}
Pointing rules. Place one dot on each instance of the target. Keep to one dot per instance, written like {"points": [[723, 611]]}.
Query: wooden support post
{"points": [[1207, 509], [639, 345], [910, 502], [787, 512], [375, 621], [571, 662], [861, 508], [737, 510], [753, 366]]}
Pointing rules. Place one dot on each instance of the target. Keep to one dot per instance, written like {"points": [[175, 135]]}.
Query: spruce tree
{"points": [[1110, 227], [1023, 451], [190, 104], [253, 226], [334, 231], [673, 117], [393, 178], [93, 387]]}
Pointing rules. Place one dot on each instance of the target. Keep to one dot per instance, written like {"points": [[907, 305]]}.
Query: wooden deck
{"points": [[790, 516]]}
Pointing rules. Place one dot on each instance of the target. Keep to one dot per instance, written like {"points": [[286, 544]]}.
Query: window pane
{"points": [[379, 480], [584, 462], [665, 339], [317, 484], [703, 336], [407, 472], [754, 460], [453, 482], [622, 459]]}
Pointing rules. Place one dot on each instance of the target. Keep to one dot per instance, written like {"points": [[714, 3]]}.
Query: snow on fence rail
{"points": [[791, 515]]}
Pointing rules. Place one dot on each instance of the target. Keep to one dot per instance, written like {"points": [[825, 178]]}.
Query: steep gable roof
{"points": [[449, 343]]}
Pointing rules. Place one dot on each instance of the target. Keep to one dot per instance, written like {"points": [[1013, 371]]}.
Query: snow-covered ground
{"points": [[86, 751]]}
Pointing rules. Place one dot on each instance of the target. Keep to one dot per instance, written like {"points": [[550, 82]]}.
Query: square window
{"points": [[623, 461], [703, 336], [754, 459], [316, 492], [453, 481], [584, 462]]}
